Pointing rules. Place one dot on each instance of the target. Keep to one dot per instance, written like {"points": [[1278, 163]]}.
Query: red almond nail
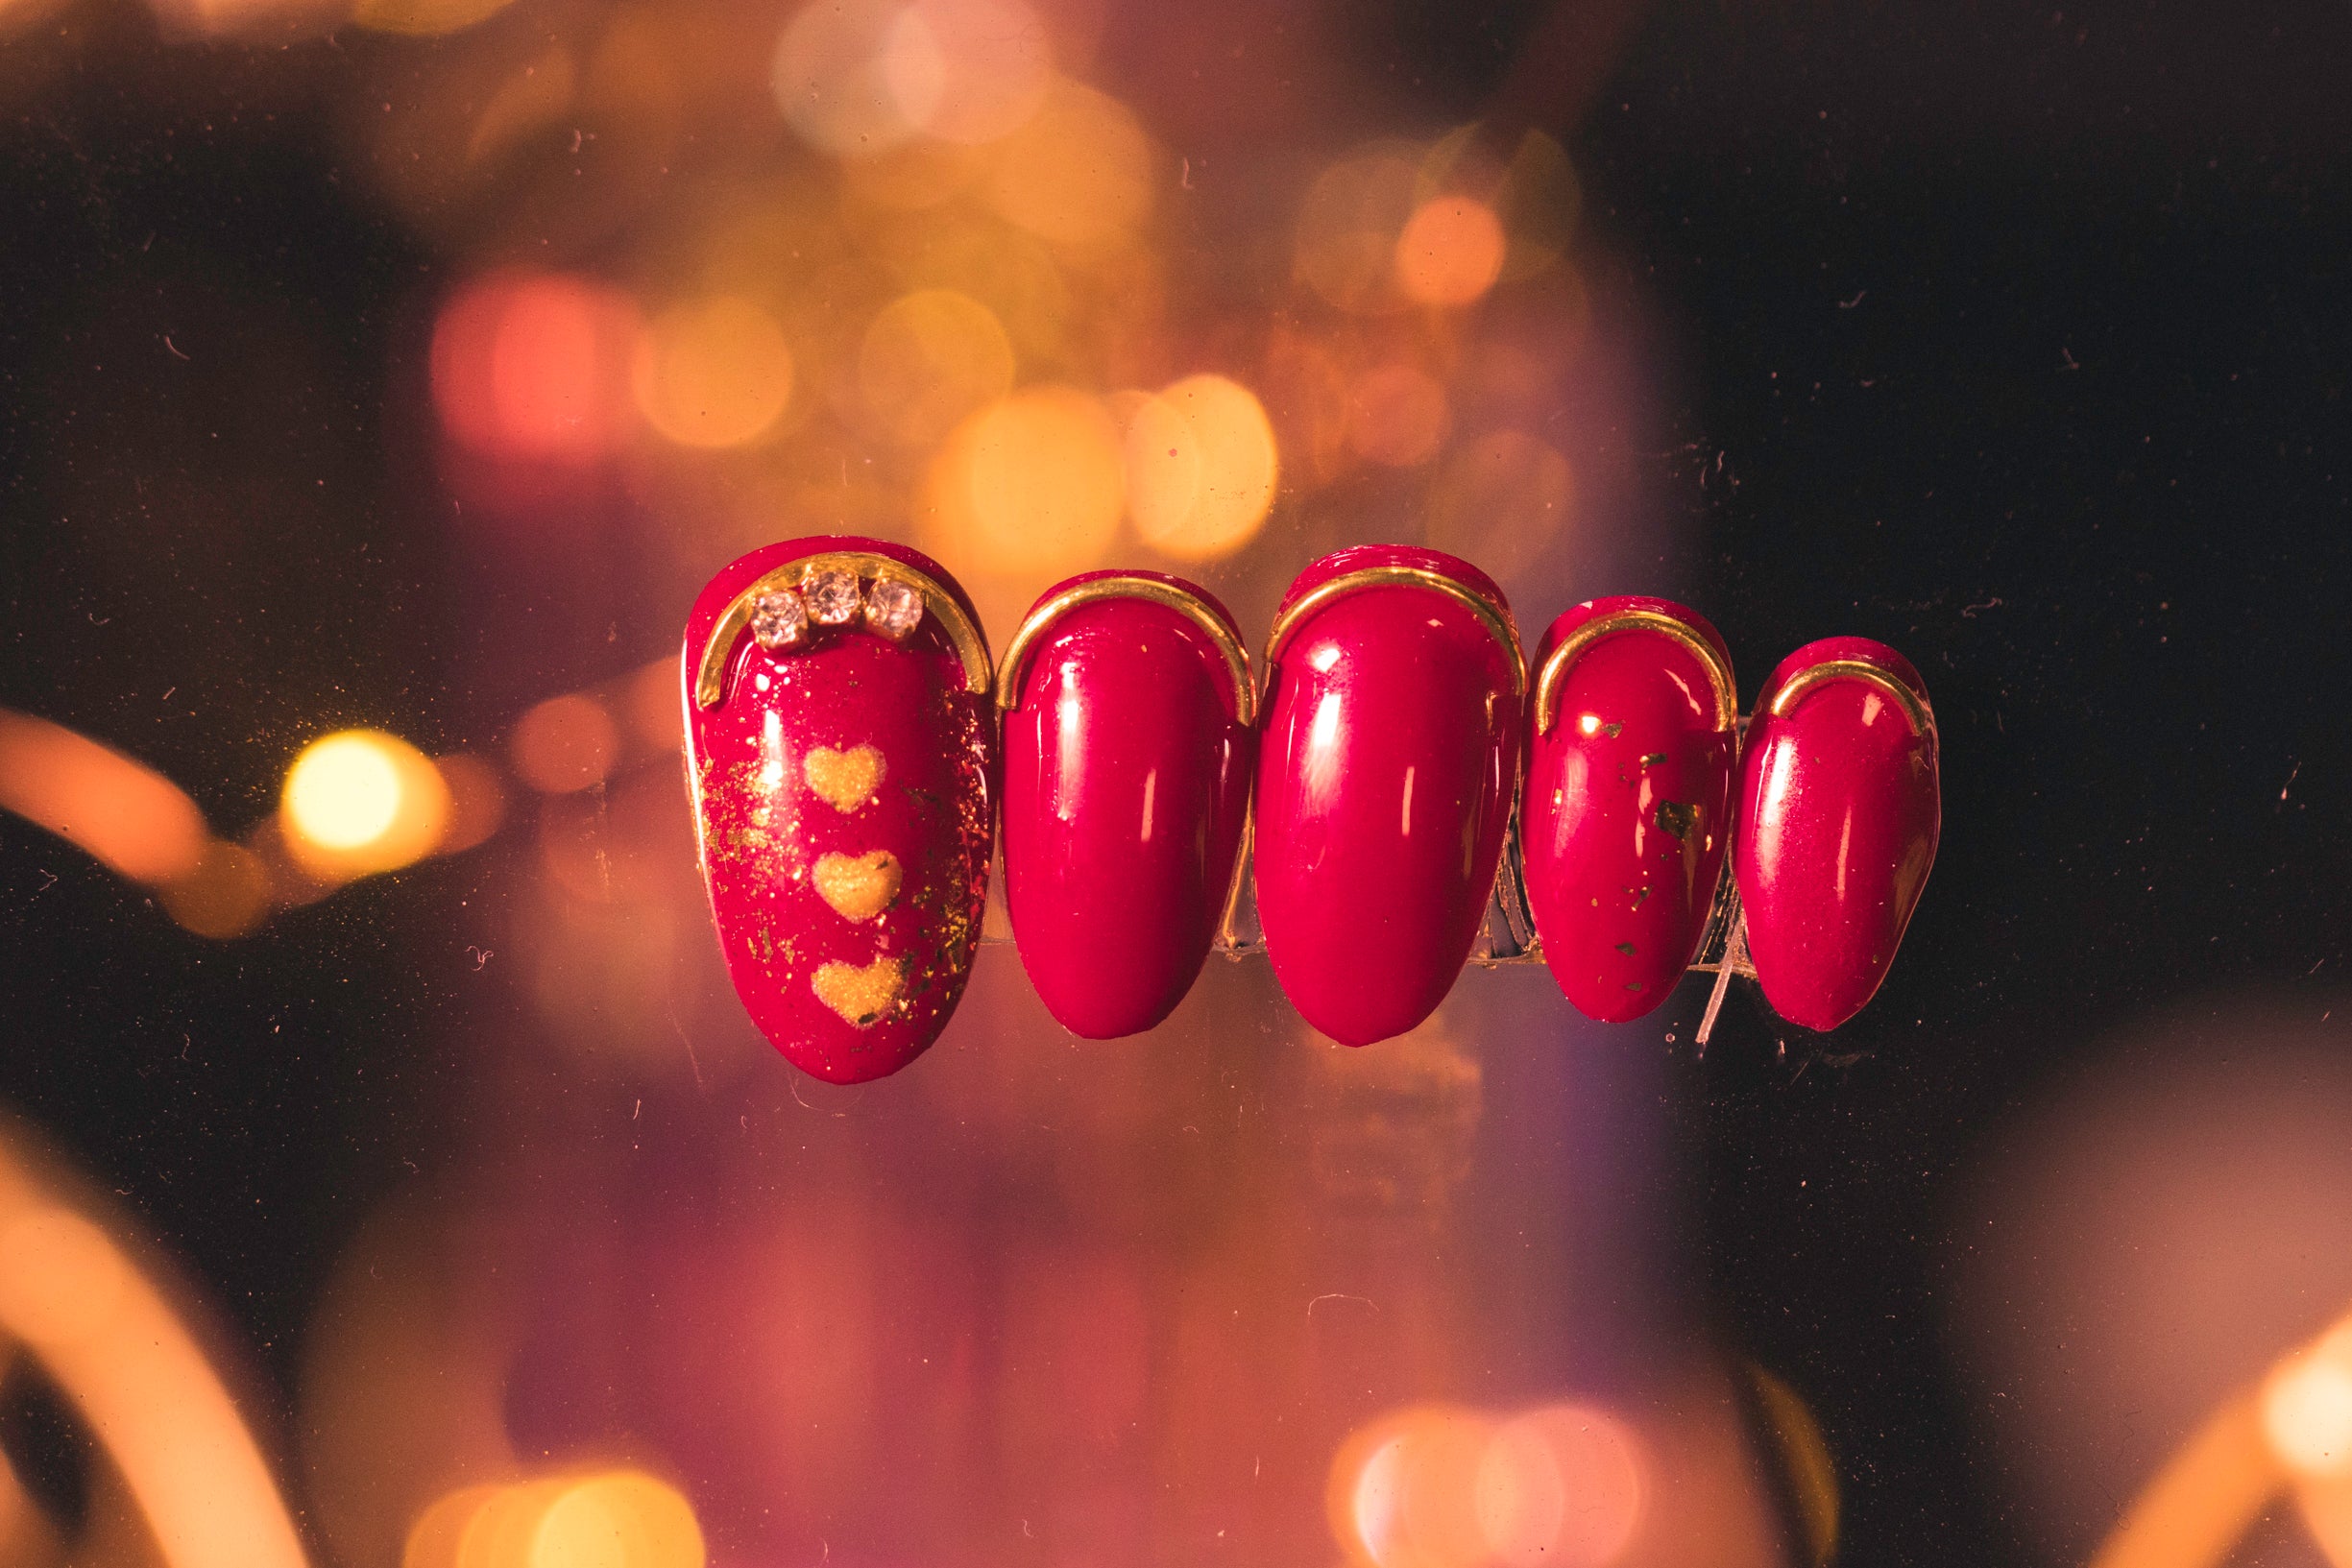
{"points": [[1127, 754], [1634, 729], [1389, 753], [1840, 808], [840, 745]]}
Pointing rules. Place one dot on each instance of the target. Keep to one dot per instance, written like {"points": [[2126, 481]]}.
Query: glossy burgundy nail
{"points": [[1840, 808], [840, 741], [1385, 765], [1127, 754], [1634, 729]]}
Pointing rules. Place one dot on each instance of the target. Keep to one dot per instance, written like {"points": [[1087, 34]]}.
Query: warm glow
{"points": [[713, 373], [1349, 225], [128, 816], [1405, 1491], [477, 801], [857, 77], [990, 62], [616, 1519], [1807, 1464], [1201, 468], [423, 16], [1560, 1487], [1033, 485], [1078, 173], [362, 801], [565, 743], [535, 365], [1450, 253], [1397, 415], [2307, 1409], [1501, 501], [225, 895], [622, 1520], [929, 359], [107, 1337]]}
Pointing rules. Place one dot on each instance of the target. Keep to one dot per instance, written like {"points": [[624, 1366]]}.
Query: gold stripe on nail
{"points": [[1806, 681], [1191, 605], [1497, 622], [1556, 664], [971, 648]]}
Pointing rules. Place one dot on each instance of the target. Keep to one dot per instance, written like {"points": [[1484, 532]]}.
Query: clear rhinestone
{"points": [[893, 608], [779, 620], [832, 595]]}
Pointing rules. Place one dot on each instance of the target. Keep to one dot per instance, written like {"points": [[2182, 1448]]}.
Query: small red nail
{"points": [[1128, 756], [840, 739], [1389, 753], [1634, 728], [1840, 808]]}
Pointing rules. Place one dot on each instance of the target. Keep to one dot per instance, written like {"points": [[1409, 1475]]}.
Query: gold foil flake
{"points": [[861, 995], [857, 887], [844, 779], [1675, 819]]}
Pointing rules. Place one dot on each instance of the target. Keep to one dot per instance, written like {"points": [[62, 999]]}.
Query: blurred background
{"points": [[388, 1175]]}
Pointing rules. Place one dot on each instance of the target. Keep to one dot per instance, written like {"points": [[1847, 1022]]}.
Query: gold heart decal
{"points": [[857, 887], [845, 779], [860, 995]]}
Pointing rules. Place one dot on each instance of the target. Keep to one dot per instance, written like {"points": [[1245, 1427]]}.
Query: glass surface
{"points": [[389, 1173]]}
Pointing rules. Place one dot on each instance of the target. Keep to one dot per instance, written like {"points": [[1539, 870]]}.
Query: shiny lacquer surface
{"points": [[1126, 779], [1840, 808], [1626, 815], [1388, 754], [841, 797]]}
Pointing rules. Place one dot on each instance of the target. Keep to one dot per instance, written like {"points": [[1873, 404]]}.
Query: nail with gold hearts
{"points": [[840, 752]]}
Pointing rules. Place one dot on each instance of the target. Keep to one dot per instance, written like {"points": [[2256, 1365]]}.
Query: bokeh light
{"points": [[1450, 251], [1560, 1487], [857, 77], [1032, 484], [565, 743], [1201, 468], [362, 801], [1078, 172], [713, 373], [133, 819], [620, 1520], [535, 365], [929, 358], [1807, 1468], [1405, 1490], [108, 1338], [2307, 1407]]}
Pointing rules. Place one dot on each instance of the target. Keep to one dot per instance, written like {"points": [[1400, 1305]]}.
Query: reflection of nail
{"points": [[841, 799], [1840, 806], [1628, 793], [1127, 754], [1388, 756]]}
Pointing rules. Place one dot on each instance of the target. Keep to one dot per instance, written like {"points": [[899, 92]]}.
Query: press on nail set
{"points": [[1402, 792]]}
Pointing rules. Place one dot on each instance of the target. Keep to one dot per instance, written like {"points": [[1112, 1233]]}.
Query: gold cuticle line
{"points": [[1496, 621], [971, 648], [1152, 591], [1577, 644], [1810, 679]]}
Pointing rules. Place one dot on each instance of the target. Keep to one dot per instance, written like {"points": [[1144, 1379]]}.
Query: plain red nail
{"points": [[1839, 809], [1389, 753], [1634, 731], [840, 743], [1127, 754]]}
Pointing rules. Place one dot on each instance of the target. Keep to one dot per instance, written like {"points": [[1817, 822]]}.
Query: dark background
{"points": [[2013, 336]]}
